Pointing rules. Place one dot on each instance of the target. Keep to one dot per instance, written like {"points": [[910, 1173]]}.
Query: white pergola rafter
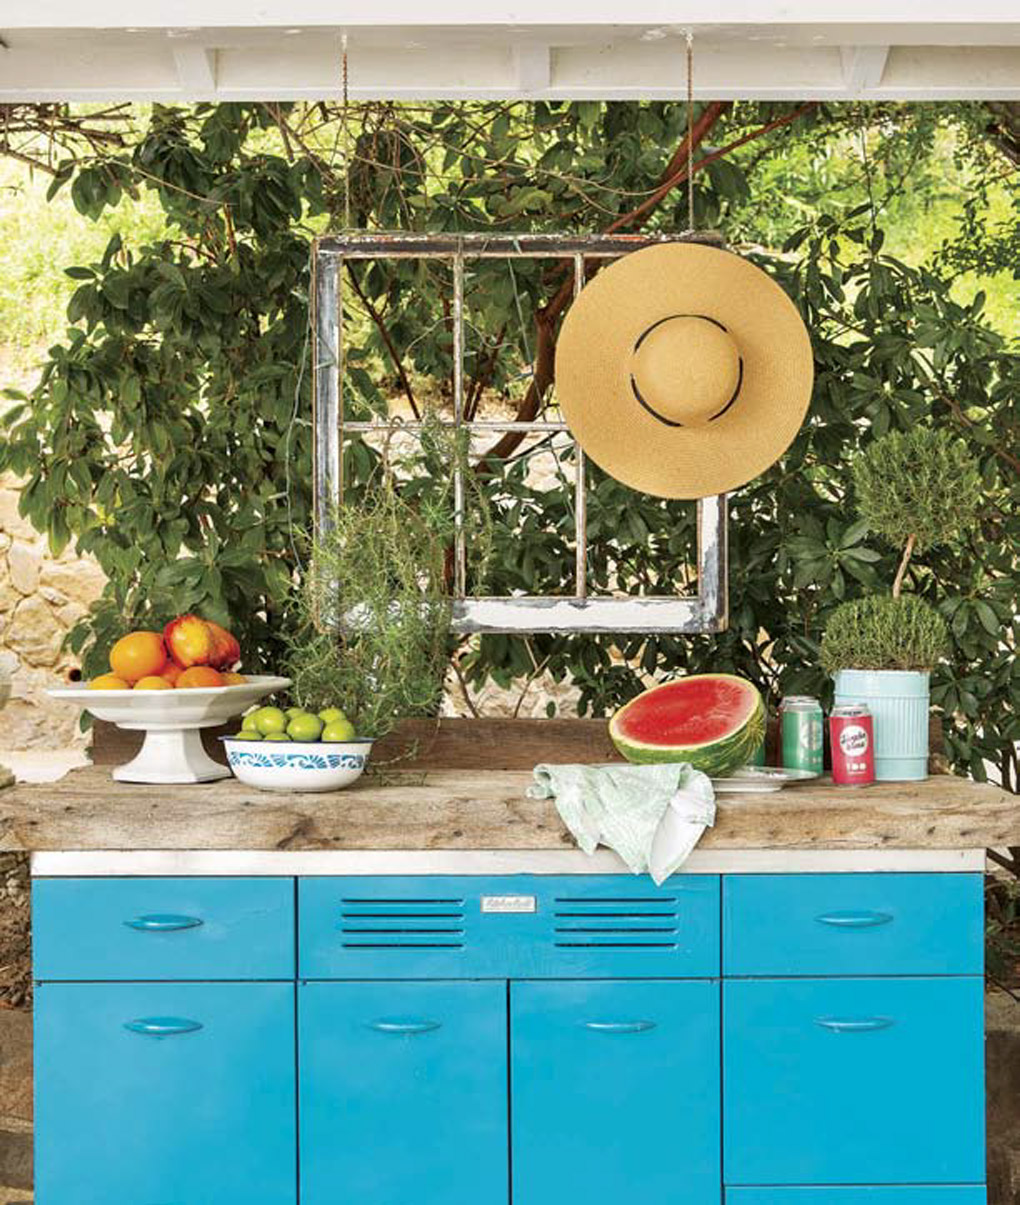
{"points": [[595, 49]]}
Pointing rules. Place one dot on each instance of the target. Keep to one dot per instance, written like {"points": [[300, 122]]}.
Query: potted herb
{"points": [[915, 490]]}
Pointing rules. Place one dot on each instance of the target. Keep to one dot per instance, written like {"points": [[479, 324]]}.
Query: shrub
{"points": [[885, 633]]}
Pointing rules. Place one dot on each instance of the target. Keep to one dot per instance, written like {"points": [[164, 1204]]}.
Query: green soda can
{"points": [[800, 718]]}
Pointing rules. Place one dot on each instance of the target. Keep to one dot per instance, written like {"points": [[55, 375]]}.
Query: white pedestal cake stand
{"points": [[172, 721]]}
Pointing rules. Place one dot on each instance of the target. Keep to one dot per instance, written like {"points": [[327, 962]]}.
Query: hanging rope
{"points": [[690, 130], [345, 128]]}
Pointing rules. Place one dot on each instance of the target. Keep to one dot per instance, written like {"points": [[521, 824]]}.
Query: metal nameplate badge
{"points": [[508, 903]]}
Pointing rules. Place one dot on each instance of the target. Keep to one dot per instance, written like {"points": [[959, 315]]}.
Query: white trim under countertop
{"points": [[114, 863]]}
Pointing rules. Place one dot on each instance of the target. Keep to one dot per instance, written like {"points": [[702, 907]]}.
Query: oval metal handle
{"points": [[619, 1026], [162, 1027], [853, 1024], [163, 922], [404, 1026], [854, 920]]}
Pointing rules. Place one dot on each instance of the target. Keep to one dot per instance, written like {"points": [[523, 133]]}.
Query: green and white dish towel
{"points": [[653, 816]]}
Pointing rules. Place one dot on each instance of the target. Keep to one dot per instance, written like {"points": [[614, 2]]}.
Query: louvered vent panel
{"points": [[425, 923], [616, 922]]}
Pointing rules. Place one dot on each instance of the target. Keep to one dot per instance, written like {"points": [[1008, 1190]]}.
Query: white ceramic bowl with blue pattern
{"points": [[297, 765]]}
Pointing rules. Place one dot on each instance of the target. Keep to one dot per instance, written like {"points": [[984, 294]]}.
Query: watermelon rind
{"points": [[715, 758]]}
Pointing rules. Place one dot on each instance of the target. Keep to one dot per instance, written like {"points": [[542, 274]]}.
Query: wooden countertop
{"points": [[474, 810]]}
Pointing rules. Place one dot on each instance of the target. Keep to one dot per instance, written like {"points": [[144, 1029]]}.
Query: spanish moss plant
{"points": [[375, 604], [884, 632], [917, 489]]}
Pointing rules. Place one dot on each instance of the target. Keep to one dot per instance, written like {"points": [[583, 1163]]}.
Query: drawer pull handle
{"points": [[854, 920], [857, 1025], [163, 923], [619, 1026], [404, 1026], [162, 1027]]}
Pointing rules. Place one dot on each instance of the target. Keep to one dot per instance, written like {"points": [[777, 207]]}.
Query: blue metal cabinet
{"points": [[615, 1092], [846, 1081], [869, 1194], [403, 1093], [512, 926], [163, 928], [165, 1094], [853, 924]]}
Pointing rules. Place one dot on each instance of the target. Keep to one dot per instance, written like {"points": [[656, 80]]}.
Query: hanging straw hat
{"points": [[683, 370]]}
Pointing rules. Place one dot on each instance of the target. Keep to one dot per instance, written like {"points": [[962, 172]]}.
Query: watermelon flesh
{"points": [[716, 722]]}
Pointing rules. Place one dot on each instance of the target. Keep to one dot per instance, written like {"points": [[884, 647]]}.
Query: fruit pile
{"points": [[295, 724], [189, 652]]}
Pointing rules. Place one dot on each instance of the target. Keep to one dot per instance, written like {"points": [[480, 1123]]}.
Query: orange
{"points": [[138, 655], [171, 672], [109, 682], [200, 675], [232, 679], [153, 682]]}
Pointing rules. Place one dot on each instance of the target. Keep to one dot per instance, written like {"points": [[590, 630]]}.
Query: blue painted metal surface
{"points": [[843, 1081], [615, 1092], [403, 1093], [206, 1115], [869, 1194], [853, 924], [436, 927], [163, 928]]}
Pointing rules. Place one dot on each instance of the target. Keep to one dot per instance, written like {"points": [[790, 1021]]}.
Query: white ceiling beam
{"points": [[533, 68], [196, 70], [863, 68]]}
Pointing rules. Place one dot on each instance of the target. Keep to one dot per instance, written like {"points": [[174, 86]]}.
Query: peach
{"points": [[190, 640], [226, 650], [199, 676]]}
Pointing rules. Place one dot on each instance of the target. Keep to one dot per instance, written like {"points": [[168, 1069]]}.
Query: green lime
{"points": [[291, 712], [269, 719], [329, 714], [248, 723], [338, 730], [276, 736], [305, 728], [247, 734]]}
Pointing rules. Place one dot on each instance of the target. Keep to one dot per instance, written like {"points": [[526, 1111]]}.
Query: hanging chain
{"points": [[690, 130], [345, 127]]}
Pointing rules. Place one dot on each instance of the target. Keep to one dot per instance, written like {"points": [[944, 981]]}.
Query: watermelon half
{"points": [[714, 721]]}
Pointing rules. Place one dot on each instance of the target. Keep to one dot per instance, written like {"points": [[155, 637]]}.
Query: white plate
{"points": [[193, 707], [760, 780], [172, 721]]}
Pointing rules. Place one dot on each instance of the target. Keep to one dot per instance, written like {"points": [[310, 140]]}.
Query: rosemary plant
{"points": [[884, 632], [375, 605]]}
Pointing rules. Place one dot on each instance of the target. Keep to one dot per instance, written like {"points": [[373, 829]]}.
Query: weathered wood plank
{"points": [[447, 810], [450, 743]]}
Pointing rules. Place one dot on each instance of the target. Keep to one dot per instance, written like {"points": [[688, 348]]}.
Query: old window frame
{"points": [[705, 611]]}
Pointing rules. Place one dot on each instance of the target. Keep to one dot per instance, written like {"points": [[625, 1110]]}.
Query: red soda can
{"points": [[852, 742]]}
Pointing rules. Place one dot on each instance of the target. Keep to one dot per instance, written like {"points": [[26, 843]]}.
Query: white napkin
{"points": [[653, 816]]}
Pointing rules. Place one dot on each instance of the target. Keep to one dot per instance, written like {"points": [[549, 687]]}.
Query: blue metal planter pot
{"points": [[898, 700]]}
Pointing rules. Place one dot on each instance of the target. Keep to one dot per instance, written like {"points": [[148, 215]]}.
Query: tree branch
{"points": [[373, 313]]}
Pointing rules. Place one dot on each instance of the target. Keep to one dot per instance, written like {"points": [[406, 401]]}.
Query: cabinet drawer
{"points": [[853, 924], [865, 1194], [844, 1080], [175, 1093], [156, 928], [509, 927]]}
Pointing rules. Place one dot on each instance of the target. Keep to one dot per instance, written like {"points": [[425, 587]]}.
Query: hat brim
{"points": [[593, 357]]}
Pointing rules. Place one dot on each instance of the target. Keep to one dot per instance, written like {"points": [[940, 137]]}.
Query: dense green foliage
{"points": [[924, 483], [169, 432], [882, 632]]}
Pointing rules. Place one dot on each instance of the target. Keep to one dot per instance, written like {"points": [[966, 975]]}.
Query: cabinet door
{"points": [[851, 1081], [165, 1094], [615, 1092], [403, 1093]]}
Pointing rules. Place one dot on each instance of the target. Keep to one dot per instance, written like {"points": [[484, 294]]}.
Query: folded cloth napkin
{"points": [[653, 816]]}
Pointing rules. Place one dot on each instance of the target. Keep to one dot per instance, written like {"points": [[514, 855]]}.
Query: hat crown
{"points": [[685, 369]]}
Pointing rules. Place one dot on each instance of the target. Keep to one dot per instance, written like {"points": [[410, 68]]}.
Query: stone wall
{"points": [[40, 598]]}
